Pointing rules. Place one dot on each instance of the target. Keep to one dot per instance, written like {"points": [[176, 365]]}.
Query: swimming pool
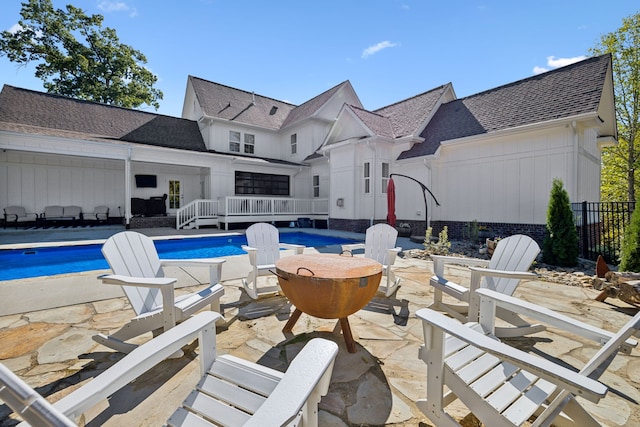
{"points": [[48, 261]]}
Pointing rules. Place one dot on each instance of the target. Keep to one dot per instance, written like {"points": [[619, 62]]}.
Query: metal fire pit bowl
{"points": [[328, 287]]}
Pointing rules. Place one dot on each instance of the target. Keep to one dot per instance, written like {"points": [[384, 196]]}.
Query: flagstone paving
{"points": [[378, 385]]}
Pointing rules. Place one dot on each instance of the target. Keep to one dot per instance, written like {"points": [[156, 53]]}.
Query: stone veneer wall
{"points": [[152, 222], [456, 229]]}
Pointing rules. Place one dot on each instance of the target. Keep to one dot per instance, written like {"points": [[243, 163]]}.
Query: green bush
{"points": [[630, 251], [560, 246]]}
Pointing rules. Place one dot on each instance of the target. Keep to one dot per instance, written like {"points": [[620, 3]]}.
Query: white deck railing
{"points": [[243, 208], [197, 209]]}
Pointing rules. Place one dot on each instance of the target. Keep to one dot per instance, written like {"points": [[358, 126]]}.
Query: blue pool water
{"points": [[47, 261]]}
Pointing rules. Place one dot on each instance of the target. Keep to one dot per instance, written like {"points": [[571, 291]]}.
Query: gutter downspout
{"points": [[127, 189], [372, 177]]}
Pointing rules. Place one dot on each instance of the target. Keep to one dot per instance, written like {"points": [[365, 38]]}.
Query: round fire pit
{"points": [[328, 287]]}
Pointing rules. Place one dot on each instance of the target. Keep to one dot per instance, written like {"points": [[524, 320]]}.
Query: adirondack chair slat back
{"points": [[378, 240], [514, 253], [133, 254], [266, 238]]}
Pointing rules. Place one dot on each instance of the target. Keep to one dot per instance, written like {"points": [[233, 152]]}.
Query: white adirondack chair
{"points": [[263, 246], [380, 245], [231, 392], [502, 385], [509, 264], [138, 269]]}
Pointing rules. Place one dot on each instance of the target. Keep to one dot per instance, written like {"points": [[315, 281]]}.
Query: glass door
{"points": [[174, 194]]}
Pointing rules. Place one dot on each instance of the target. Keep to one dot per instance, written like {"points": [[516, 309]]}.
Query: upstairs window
{"points": [[385, 176], [234, 141], [367, 178], [316, 185], [294, 143], [249, 143]]}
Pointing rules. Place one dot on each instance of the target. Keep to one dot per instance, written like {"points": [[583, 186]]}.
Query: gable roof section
{"points": [[377, 123], [227, 103], [309, 108], [55, 115], [407, 117], [562, 93]]}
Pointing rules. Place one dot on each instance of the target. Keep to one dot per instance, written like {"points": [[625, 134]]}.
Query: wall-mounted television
{"points": [[146, 181]]}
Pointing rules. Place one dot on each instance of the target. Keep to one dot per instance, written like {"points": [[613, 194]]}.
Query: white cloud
{"points": [[116, 6], [539, 70], [553, 62], [377, 48]]}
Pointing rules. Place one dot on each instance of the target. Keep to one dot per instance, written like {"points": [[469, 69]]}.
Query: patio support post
{"points": [[127, 190]]}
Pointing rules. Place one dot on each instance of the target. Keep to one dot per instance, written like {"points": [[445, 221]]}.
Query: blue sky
{"points": [[389, 50]]}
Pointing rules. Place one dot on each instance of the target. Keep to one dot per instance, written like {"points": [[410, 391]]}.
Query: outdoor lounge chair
{"points": [[504, 386], [18, 215], [138, 269], [509, 264], [263, 247], [231, 392], [380, 245], [56, 213], [100, 213]]}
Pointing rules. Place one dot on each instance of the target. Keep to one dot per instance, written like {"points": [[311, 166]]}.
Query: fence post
{"points": [[585, 231]]}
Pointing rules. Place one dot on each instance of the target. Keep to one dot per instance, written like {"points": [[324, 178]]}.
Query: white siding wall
{"points": [[505, 179], [589, 169], [343, 182], [216, 135], [37, 180]]}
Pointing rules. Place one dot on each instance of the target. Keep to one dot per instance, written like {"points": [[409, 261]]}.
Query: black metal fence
{"points": [[601, 227]]}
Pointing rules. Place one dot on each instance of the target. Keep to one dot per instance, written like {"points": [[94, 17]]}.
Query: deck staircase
{"points": [[198, 213]]}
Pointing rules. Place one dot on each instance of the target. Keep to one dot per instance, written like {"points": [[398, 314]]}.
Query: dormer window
{"points": [[294, 143]]}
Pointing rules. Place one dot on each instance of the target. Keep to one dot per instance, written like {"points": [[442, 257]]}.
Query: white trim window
{"points": [[249, 143], [294, 143], [385, 176], [367, 177], [234, 141], [316, 185]]}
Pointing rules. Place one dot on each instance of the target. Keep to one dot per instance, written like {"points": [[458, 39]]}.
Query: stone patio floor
{"points": [[53, 351]]}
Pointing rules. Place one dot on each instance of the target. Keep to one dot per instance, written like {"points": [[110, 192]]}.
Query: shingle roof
{"points": [[561, 93], [409, 115], [55, 115], [228, 103], [308, 108], [380, 125]]}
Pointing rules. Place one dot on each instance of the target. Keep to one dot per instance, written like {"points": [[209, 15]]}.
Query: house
{"points": [[236, 156]]}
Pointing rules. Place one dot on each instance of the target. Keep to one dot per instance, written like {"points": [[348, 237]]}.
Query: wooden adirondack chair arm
{"points": [[502, 273], [572, 381], [311, 366], [490, 299], [253, 254], [214, 264], [353, 247], [297, 248], [147, 282], [194, 262], [141, 360], [439, 262]]}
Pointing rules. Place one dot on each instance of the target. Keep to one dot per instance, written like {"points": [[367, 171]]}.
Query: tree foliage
{"points": [[621, 164], [630, 250], [560, 247], [79, 58]]}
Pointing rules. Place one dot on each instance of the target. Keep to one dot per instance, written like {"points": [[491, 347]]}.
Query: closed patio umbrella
{"points": [[391, 203]]}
